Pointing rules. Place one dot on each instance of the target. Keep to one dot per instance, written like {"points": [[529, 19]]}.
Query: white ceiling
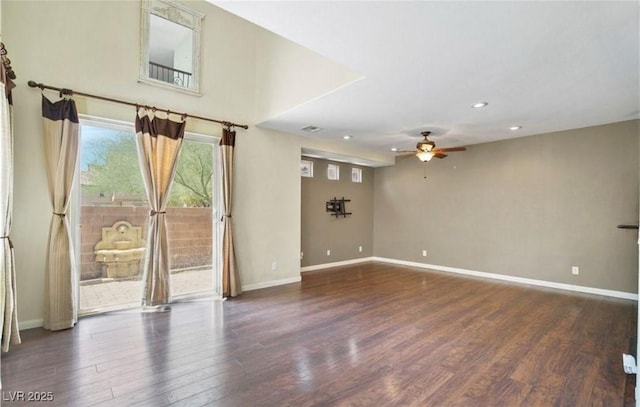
{"points": [[545, 66]]}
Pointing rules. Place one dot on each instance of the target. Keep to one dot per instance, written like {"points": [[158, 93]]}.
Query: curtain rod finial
{"points": [[33, 84]]}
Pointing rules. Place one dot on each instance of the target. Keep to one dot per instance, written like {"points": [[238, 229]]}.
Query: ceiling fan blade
{"points": [[448, 150], [405, 151], [439, 155], [409, 154]]}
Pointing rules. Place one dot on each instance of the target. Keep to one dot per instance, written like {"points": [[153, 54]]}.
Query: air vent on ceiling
{"points": [[311, 129]]}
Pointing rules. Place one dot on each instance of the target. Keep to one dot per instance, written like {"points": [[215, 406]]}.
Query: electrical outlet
{"points": [[575, 270], [424, 253], [274, 266], [328, 252], [629, 364], [360, 249]]}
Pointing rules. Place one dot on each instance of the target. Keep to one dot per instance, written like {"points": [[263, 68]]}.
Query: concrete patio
{"points": [[110, 294]]}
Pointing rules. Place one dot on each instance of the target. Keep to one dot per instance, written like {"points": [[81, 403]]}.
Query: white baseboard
{"points": [[272, 283], [336, 264], [522, 280], [34, 323]]}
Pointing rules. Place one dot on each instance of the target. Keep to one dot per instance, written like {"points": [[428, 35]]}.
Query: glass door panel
{"points": [[190, 218], [113, 218]]}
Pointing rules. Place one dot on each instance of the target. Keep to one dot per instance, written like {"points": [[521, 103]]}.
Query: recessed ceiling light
{"points": [[347, 137], [311, 129], [514, 128], [479, 104], [394, 149]]}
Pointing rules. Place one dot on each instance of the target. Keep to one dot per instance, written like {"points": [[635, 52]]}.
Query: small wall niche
{"points": [[333, 172]]}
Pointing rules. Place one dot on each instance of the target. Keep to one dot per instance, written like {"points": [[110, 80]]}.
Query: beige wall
{"points": [[94, 47], [321, 231], [530, 207], [283, 76]]}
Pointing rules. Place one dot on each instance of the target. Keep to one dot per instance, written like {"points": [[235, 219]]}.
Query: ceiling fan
{"points": [[426, 149]]}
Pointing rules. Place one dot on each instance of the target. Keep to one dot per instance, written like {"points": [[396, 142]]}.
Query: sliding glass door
{"points": [[111, 218]]}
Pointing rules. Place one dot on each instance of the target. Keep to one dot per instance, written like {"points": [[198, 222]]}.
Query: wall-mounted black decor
{"points": [[337, 207]]}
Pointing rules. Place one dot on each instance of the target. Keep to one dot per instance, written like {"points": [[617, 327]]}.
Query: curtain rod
{"points": [[70, 92]]}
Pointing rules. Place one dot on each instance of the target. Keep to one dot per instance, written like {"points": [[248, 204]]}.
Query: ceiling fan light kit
{"points": [[425, 145], [426, 149], [425, 155]]}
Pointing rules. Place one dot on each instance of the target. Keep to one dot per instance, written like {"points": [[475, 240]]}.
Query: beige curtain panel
{"points": [[61, 138], [230, 275], [159, 141], [8, 301]]}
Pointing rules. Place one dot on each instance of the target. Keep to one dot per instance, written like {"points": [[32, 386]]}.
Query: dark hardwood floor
{"points": [[365, 335]]}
